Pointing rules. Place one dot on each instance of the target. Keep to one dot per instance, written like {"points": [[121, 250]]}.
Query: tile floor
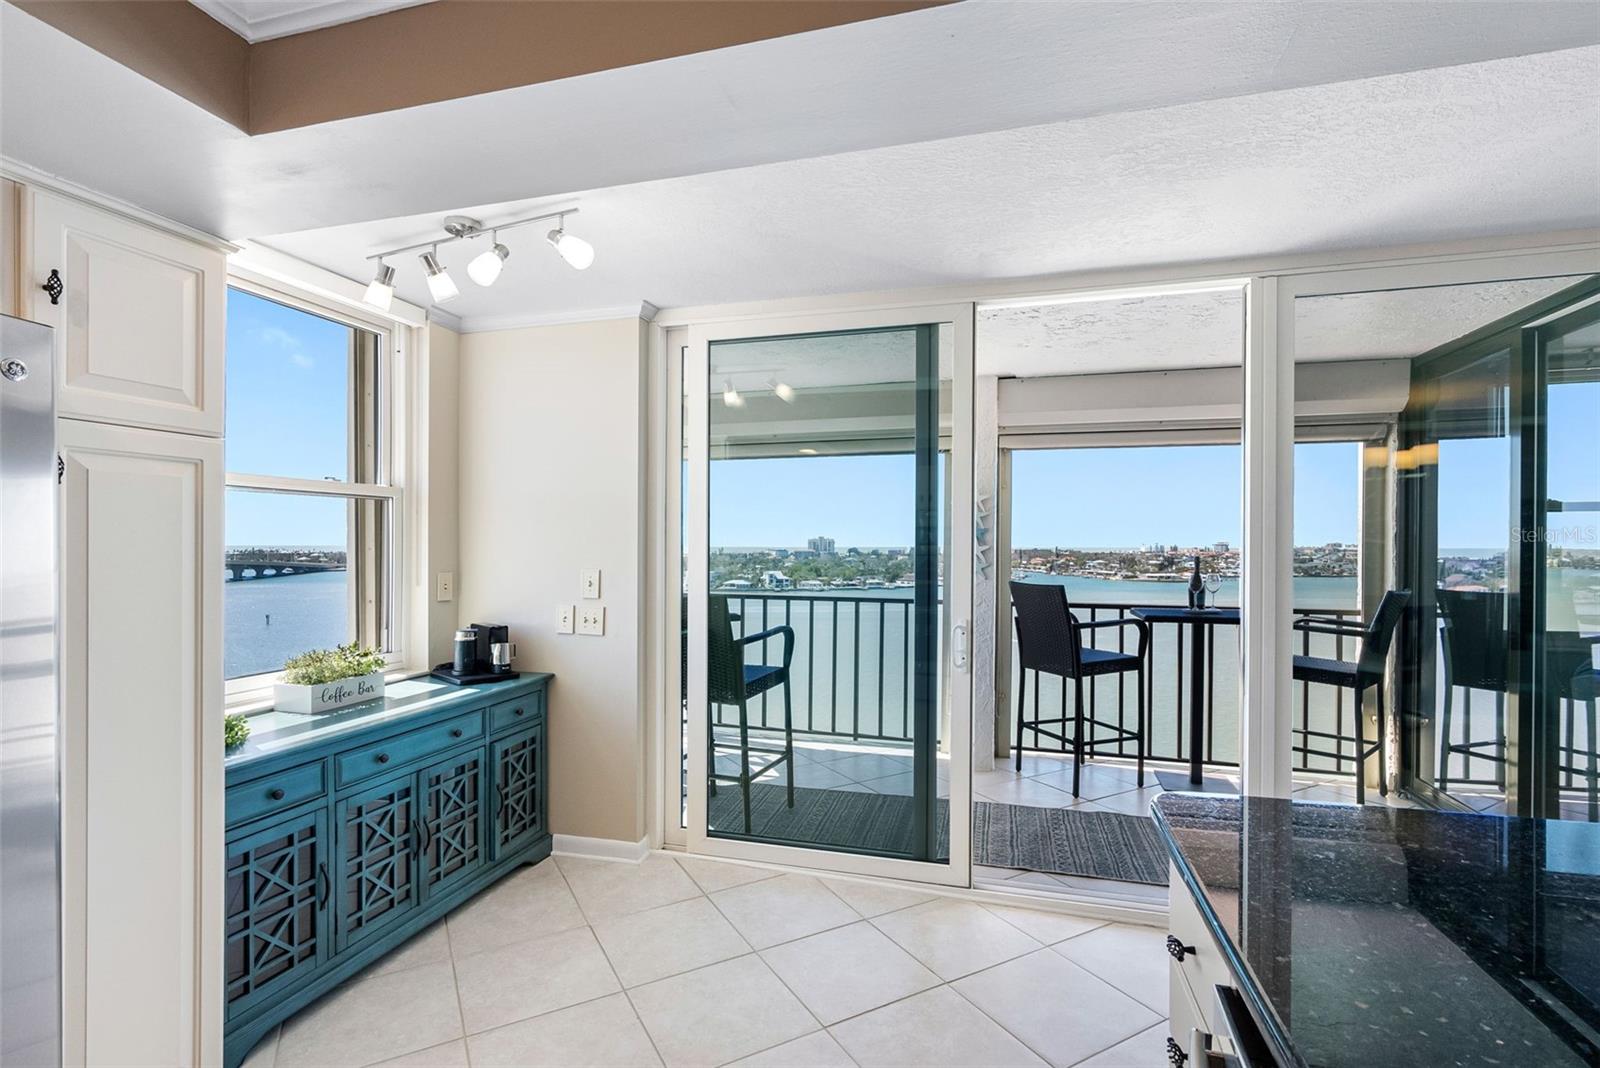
{"points": [[684, 961]]}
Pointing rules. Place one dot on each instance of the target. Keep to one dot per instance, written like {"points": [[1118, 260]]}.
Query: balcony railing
{"points": [[851, 677]]}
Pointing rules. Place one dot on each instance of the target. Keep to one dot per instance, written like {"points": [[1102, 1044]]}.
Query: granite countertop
{"points": [[1377, 936], [274, 733]]}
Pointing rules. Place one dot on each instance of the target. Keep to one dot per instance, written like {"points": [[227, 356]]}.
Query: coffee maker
{"points": [[483, 653]]}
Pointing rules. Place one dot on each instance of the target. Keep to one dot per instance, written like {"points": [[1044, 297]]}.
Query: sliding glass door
{"points": [[829, 561]]}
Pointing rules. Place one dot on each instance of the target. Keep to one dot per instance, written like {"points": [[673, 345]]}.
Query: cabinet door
{"points": [[276, 891], [518, 767], [453, 821], [140, 322], [376, 846], [141, 699]]}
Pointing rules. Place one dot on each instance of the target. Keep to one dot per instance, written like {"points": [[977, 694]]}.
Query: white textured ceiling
{"points": [[962, 69], [1507, 146], [263, 20], [1157, 333]]}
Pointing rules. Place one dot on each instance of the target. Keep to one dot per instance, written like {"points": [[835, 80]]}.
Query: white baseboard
{"points": [[574, 845]]}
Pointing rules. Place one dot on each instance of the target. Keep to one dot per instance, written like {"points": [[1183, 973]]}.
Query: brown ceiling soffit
{"points": [[443, 50]]}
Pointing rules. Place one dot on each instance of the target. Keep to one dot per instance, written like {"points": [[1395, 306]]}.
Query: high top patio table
{"points": [[1199, 621]]}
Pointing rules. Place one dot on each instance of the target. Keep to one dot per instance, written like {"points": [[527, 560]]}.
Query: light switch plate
{"points": [[592, 619], [446, 586], [589, 582], [564, 617]]}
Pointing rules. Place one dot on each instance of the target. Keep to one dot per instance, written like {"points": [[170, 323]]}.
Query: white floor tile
{"points": [[651, 945], [847, 971], [782, 909], [933, 1029], [1096, 780], [449, 1055], [1132, 802], [954, 938], [1044, 926], [1080, 1016], [721, 1013], [429, 947], [714, 875], [374, 1020], [1026, 792], [814, 776], [526, 904], [612, 888], [816, 1050], [874, 899], [1147, 1049], [604, 1033], [264, 1053], [525, 979], [1132, 959], [864, 766]]}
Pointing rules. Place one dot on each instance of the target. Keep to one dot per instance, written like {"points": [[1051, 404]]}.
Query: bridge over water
{"points": [[247, 567]]}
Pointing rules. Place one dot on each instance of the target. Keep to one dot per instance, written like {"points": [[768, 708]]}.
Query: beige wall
{"points": [[440, 385], [552, 477]]}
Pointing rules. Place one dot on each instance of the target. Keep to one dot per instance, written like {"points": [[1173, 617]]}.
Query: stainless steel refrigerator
{"points": [[30, 798]]}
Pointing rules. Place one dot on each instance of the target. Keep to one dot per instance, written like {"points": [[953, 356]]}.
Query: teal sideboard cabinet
{"points": [[349, 832]]}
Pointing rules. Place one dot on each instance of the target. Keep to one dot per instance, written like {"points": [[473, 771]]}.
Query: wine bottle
{"points": [[1197, 588]]}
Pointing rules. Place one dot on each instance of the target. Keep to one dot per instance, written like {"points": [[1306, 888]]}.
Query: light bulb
{"points": [[440, 284], [784, 390], [380, 291], [485, 268], [575, 250], [730, 396]]}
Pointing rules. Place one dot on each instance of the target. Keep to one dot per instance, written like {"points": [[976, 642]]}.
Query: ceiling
{"points": [[1157, 333], [844, 89], [1423, 156], [265, 20]]}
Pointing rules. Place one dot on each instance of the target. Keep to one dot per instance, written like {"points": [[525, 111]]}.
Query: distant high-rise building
{"points": [[821, 546], [1220, 547]]}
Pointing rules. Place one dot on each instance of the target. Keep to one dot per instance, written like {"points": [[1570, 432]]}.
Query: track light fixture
{"points": [[440, 285], [784, 390], [484, 269], [730, 396], [380, 291]]}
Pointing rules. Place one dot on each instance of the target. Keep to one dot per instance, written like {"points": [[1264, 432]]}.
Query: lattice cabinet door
{"points": [[453, 821], [376, 841], [277, 920], [518, 765]]}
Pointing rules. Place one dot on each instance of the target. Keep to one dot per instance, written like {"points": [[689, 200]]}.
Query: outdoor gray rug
{"points": [[852, 819], [1101, 845]]}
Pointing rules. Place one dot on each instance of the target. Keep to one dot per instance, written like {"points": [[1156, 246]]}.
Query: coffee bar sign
{"points": [[327, 696]]}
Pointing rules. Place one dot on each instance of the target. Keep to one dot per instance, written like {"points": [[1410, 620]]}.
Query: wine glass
{"points": [[1213, 583]]}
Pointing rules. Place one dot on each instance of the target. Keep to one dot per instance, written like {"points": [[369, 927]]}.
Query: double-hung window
{"points": [[312, 507]]}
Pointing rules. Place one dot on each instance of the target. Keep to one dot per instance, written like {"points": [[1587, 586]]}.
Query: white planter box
{"points": [[327, 696]]}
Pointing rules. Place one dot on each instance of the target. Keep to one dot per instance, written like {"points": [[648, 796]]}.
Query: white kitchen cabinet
{"points": [[140, 320], [141, 647]]}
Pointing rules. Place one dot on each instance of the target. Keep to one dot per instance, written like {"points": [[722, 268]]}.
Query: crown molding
{"points": [[483, 324], [289, 19], [448, 320], [33, 176]]}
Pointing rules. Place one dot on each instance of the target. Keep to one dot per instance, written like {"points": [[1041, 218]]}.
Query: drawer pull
{"points": [[516, 711], [1175, 1055], [456, 733], [382, 758], [275, 794], [1178, 950]]}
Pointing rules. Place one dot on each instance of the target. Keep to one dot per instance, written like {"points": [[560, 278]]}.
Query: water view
{"points": [[268, 620]]}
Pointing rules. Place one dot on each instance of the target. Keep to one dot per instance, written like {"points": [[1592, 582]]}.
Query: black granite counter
{"points": [[1375, 936]]}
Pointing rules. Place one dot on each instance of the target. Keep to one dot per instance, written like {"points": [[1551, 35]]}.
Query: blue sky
{"points": [[287, 401]]}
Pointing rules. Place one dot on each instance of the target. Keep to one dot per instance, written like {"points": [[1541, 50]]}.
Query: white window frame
{"points": [[254, 692]]}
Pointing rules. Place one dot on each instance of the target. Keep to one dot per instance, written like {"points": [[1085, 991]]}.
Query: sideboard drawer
{"points": [[392, 753], [518, 713], [274, 793]]}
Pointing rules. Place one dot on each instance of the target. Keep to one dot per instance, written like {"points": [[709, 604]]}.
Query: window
{"points": [[311, 507]]}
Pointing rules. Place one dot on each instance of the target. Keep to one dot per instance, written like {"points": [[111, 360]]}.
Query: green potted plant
{"points": [[326, 679]]}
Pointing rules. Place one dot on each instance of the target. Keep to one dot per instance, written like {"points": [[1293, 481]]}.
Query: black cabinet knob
{"points": [[518, 711], [1175, 1055], [275, 794], [456, 733], [383, 758], [1176, 947]]}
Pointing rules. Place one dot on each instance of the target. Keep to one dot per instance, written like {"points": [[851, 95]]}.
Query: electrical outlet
{"points": [[564, 617], [446, 586], [589, 582], [592, 619]]}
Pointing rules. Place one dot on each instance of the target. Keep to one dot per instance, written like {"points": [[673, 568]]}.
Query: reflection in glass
{"points": [[827, 527]]}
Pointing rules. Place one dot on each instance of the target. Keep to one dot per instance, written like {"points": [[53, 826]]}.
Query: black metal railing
{"points": [[851, 677]]}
